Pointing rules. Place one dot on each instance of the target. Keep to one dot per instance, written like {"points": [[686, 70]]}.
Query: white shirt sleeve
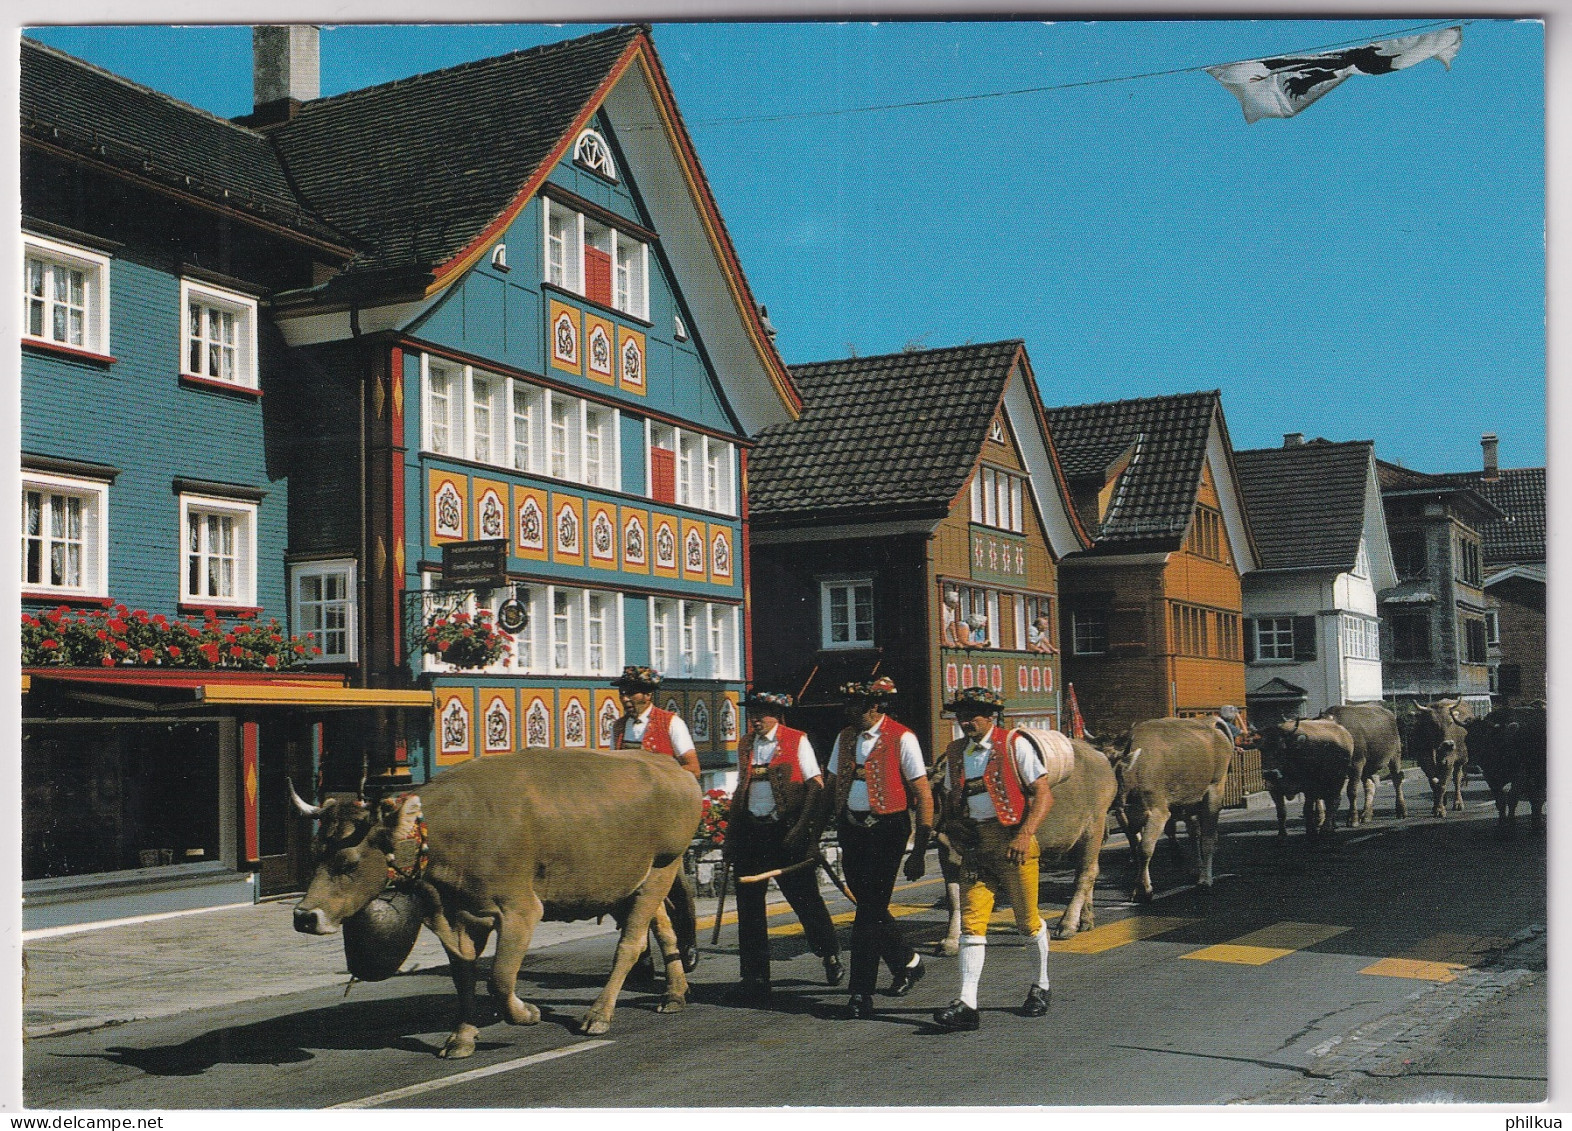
{"points": [[681, 740], [911, 758], [806, 760], [1027, 764]]}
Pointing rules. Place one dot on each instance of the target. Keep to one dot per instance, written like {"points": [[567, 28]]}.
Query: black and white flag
{"points": [[1280, 88]]}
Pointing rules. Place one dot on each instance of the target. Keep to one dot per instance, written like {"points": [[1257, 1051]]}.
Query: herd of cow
{"points": [[501, 844]]}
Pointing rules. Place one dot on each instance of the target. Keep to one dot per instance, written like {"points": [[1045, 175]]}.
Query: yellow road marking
{"points": [[1439, 958], [1099, 939], [1267, 945], [707, 922]]}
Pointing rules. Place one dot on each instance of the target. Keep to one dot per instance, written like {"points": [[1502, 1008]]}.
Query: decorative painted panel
{"points": [[567, 529], [491, 509], [537, 717], [573, 709], [602, 534], [666, 544], [730, 729], [674, 703], [699, 719], [455, 718], [632, 376], [563, 331], [608, 709], [496, 720], [600, 349], [448, 502], [998, 557], [635, 540], [721, 568], [693, 551], [531, 523]]}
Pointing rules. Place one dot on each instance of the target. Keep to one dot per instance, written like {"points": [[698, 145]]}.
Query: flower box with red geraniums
{"points": [[713, 819], [122, 637]]}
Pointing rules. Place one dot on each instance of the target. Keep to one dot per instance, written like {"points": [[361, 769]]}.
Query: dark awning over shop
{"points": [[171, 690]]}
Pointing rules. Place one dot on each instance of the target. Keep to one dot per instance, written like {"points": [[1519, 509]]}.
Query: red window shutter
{"points": [[597, 276], [663, 475]]}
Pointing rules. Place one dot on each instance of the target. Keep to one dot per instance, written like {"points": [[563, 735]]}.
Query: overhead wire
{"points": [[981, 95]]}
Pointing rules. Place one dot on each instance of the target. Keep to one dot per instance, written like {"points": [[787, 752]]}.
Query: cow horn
{"points": [[301, 806]]}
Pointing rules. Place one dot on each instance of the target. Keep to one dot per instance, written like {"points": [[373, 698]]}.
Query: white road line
{"points": [[78, 928], [465, 1077]]}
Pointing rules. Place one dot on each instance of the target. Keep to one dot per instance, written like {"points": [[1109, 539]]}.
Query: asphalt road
{"points": [[1404, 963]]}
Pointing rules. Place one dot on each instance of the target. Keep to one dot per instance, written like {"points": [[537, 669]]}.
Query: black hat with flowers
{"points": [[874, 691], [768, 702], [635, 677], [981, 700]]}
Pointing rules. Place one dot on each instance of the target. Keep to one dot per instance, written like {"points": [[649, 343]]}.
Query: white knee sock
{"points": [[1041, 939], [974, 949]]}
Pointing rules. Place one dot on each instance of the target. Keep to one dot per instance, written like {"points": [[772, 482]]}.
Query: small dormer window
{"points": [[592, 152], [679, 329]]}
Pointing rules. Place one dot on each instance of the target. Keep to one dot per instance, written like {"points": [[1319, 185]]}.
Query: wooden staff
{"points": [[720, 906], [773, 872]]}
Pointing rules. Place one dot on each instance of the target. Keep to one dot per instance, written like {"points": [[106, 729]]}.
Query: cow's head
{"points": [[352, 850], [1278, 745]]}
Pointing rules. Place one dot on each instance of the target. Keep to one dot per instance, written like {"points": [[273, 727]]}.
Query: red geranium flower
{"points": [[50, 643], [108, 661], [147, 655], [271, 661], [236, 651], [174, 652]]}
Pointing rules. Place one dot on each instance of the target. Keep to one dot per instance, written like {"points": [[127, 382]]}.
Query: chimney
{"points": [[1488, 443], [285, 71], [1293, 439]]}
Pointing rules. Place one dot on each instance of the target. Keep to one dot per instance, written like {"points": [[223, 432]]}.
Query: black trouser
{"points": [[683, 914], [756, 846], [872, 858]]}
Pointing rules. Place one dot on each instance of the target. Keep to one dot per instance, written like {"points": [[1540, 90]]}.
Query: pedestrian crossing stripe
{"points": [[1439, 958], [1268, 944], [1130, 930]]}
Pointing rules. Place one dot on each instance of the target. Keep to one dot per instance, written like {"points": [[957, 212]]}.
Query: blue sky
{"points": [[1370, 269]]}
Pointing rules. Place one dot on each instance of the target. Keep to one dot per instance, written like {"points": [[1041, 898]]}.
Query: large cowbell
{"points": [[381, 935]]}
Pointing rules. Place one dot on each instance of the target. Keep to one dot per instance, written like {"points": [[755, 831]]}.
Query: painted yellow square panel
{"points": [[602, 534], [632, 375], [455, 725], [531, 521], [693, 551], [1416, 968], [635, 539], [608, 709], [491, 508], [535, 710], [498, 707], [563, 331], [573, 713], [665, 543], [448, 497], [600, 349], [567, 529], [730, 728], [723, 566], [1268, 944], [1121, 933]]}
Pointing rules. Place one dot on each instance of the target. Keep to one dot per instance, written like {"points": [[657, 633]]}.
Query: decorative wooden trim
{"points": [[237, 491], [222, 611], [212, 385], [79, 468], [589, 303], [68, 351], [72, 599], [600, 585], [598, 212]]}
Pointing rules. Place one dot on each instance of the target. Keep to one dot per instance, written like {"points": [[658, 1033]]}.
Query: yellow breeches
{"points": [[996, 875]]}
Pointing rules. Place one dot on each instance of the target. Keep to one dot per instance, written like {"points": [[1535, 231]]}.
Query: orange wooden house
{"points": [[1151, 613], [910, 524]]}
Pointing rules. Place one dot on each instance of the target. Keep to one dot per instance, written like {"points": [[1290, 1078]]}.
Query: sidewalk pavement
{"points": [[86, 978]]}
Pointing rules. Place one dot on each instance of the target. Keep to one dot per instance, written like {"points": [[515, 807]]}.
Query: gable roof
{"points": [[1519, 494], [888, 436], [1398, 481], [419, 168], [1156, 492], [75, 108], [1307, 502]]}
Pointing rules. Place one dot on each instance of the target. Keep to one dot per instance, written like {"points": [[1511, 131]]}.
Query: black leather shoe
{"points": [[749, 991], [1037, 1001], [906, 978], [833, 973], [859, 1008], [957, 1017]]}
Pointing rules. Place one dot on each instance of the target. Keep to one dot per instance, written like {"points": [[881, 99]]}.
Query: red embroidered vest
{"points": [[882, 770], [999, 776], [783, 772], [657, 733]]}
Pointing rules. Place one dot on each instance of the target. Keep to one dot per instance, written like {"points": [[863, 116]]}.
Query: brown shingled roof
{"points": [[1306, 502]]}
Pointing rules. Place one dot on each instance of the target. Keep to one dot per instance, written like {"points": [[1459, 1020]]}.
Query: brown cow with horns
{"points": [[510, 841]]}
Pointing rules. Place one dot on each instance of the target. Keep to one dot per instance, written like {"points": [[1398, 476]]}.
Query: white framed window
{"points": [[690, 469], [323, 609], [65, 295], [632, 291], [591, 151], [1362, 561], [1492, 628], [1089, 632], [529, 415], [1274, 638], [663, 632], [444, 408], [596, 260], [694, 638], [219, 551], [846, 613], [602, 452], [220, 335], [998, 499], [564, 241], [485, 415], [65, 535]]}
